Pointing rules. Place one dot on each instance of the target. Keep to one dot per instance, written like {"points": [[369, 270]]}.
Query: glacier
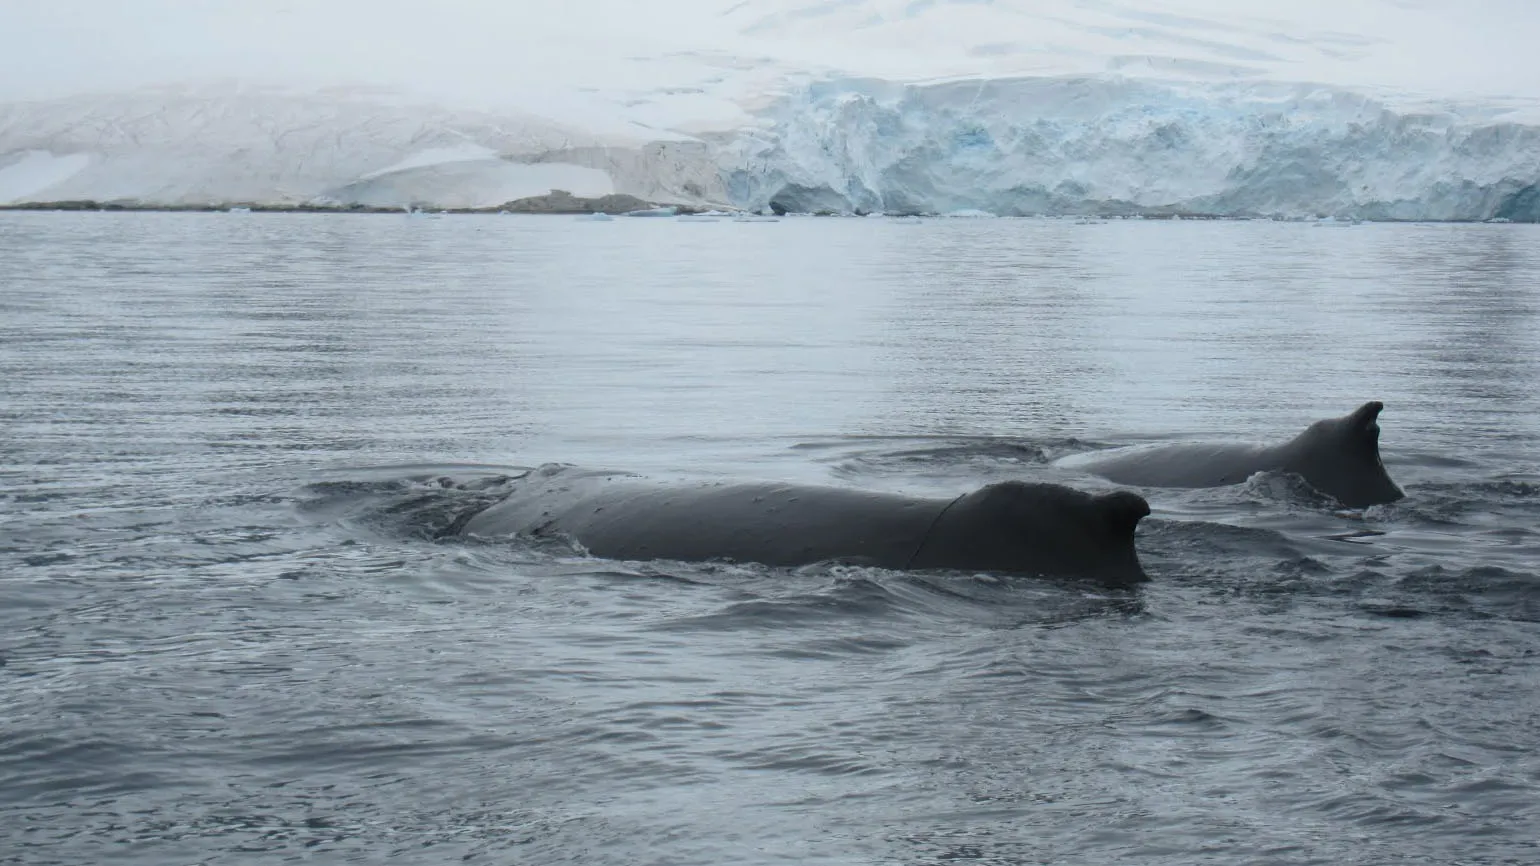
{"points": [[1010, 147], [1101, 146], [1382, 110]]}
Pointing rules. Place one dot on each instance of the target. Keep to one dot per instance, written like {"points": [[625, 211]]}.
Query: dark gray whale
{"points": [[1339, 457], [1010, 527]]}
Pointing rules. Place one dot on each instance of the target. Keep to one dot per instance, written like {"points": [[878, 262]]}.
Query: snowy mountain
{"points": [[1382, 109]]}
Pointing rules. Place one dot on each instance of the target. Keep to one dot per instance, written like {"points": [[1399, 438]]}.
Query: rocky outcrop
{"points": [[559, 201]]}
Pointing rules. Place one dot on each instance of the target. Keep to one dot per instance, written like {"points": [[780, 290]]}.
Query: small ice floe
{"points": [[600, 217]]}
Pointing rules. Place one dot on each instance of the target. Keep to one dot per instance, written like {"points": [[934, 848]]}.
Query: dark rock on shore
{"points": [[559, 201]]}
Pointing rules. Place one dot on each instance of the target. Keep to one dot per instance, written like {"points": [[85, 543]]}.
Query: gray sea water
{"points": [[228, 634]]}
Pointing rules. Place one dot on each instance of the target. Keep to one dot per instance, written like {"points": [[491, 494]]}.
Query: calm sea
{"points": [[228, 634]]}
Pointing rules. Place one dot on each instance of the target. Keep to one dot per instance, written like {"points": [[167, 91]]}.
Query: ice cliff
{"points": [[1087, 145]]}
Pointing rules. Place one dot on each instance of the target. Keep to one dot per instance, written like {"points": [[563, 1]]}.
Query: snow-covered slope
{"points": [[1402, 109], [241, 144]]}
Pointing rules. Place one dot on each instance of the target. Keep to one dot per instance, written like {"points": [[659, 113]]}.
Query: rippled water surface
{"points": [[228, 633]]}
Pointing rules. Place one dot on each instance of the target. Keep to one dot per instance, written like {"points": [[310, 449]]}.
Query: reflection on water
{"points": [[228, 634], [1483, 325], [542, 333], [985, 328]]}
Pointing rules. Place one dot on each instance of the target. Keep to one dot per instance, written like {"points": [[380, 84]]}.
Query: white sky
{"points": [[539, 54]]}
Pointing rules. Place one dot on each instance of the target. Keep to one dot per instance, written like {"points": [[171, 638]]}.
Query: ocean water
{"points": [[231, 633]]}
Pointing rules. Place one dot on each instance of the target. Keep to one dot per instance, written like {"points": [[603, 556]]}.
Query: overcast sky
{"points": [[516, 49], [49, 47]]}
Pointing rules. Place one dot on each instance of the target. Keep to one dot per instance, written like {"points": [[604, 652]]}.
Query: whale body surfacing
{"points": [[1010, 527], [1338, 456]]}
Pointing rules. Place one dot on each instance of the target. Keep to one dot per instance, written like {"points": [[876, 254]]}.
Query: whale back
{"points": [[1011, 527], [1041, 529], [1194, 464], [1341, 457], [772, 524], [620, 517]]}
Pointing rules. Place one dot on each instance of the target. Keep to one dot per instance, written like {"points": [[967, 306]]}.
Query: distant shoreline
{"points": [[111, 207], [557, 202], [515, 209]]}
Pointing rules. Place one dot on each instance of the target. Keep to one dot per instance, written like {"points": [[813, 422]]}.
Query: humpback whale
{"points": [[1010, 527], [1338, 456]]}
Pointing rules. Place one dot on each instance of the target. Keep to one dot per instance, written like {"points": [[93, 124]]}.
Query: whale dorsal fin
{"points": [[1341, 457], [1123, 509], [1364, 416], [1360, 427]]}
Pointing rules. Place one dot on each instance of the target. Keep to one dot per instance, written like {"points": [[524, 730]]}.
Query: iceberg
{"points": [[655, 212]]}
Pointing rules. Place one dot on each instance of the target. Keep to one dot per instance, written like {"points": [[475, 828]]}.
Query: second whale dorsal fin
{"points": [[1364, 416]]}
